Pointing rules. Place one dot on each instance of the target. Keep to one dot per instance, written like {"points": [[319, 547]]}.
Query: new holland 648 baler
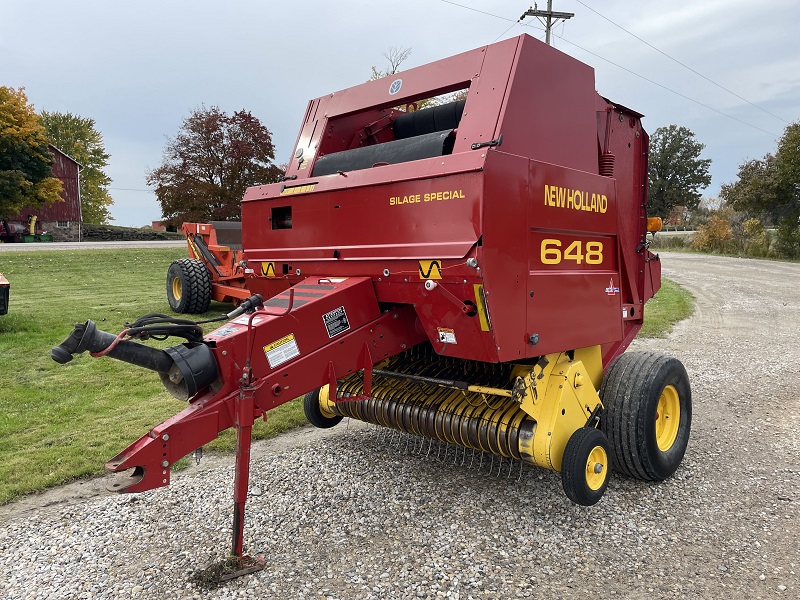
{"points": [[470, 273]]}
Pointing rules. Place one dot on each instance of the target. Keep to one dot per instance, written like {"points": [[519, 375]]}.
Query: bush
{"points": [[671, 242], [755, 241], [715, 236], [788, 239]]}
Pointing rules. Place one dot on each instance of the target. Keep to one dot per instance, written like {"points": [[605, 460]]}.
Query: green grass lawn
{"points": [[59, 423], [671, 304], [63, 422]]}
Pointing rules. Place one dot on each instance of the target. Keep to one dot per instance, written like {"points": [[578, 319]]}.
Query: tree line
{"points": [[758, 214], [204, 173], [26, 177]]}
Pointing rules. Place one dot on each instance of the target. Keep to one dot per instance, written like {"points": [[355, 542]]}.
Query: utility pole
{"points": [[552, 17]]}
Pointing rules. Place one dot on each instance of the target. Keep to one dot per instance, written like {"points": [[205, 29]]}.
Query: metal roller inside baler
{"points": [[419, 134]]}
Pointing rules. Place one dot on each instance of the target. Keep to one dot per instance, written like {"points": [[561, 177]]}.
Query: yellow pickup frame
{"points": [[560, 397]]}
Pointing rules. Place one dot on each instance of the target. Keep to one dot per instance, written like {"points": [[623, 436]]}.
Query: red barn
{"points": [[62, 220]]}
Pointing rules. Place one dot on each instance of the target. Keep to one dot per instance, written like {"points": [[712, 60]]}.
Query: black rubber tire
{"points": [[573, 465], [630, 393], [194, 283], [314, 413]]}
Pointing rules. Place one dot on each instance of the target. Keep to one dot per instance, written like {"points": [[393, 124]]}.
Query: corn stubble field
{"points": [[59, 423]]}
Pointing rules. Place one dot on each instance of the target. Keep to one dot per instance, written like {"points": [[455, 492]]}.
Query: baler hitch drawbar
{"points": [[235, 387]]}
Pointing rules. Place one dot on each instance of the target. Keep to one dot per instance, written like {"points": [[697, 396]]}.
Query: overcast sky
{"points": [[139, 68]]}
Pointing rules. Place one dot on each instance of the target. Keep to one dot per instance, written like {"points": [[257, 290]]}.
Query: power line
{"points": [[507, 30], [130, 190], [724, 114], [720, 86], [488, 14]]}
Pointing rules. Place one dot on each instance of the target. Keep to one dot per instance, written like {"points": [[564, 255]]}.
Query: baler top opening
{"points": [[397, 137]]}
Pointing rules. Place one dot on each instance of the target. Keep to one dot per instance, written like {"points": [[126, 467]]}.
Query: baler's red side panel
{"points": [[549, 257], [628, 143], [420, 218], [573, 265], [503, 257], [549, 112]]}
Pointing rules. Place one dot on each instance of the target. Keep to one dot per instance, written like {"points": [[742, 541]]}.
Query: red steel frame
{"points": [[517, 250]]}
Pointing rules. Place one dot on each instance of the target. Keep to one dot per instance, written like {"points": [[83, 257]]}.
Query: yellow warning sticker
{"points": [[483, 311], [430, 269], [268, 269], [281, 351]]}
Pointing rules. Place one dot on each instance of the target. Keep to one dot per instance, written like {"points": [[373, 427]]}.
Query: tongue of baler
{"points": [[309, 336]]}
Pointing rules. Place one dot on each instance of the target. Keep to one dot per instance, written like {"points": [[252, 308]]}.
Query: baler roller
{"points": [[448, 416], [418, 394]]}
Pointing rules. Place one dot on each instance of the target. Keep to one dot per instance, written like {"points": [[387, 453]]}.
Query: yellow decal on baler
{"points": [[268, 269], [430, 269], [428, 197], [564, 197], [298, 189], [551, 253], [483, 312]]}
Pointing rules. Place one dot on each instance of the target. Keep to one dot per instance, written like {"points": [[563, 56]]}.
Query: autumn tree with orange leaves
{"points": [[26, 176]]}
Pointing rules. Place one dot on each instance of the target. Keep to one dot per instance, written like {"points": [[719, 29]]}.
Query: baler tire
{"points": [[640, 391], [188, 286], [314, 413], [586, 448]]}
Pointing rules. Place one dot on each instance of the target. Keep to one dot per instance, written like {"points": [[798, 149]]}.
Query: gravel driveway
{"points": [[358, 513]]}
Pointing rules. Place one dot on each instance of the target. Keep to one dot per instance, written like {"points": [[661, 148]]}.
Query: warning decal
{"points": [[336, 321], [430, 269], [281, 351], [268, 269], [447, 335]]}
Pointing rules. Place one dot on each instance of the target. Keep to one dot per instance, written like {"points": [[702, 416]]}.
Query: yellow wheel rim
{"points": [[596, 468], [177, 290], [668, 418], [325, 404]]}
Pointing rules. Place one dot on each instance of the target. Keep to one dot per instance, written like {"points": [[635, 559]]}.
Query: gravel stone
{"points": [[360, 512]]}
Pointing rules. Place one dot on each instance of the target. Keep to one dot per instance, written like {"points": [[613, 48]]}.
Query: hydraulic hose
{"points": [[86, 337]]}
